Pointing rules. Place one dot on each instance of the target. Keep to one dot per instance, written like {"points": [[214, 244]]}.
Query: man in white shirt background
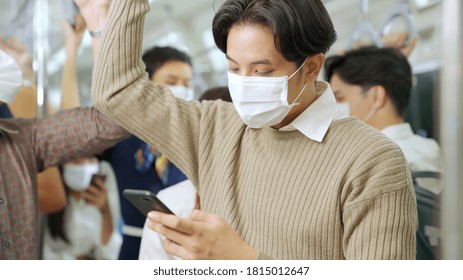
{"points": [[374, 85]]}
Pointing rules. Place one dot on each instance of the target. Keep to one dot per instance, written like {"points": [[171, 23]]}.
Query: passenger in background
{"points": [[180, 198], [374, 85], [88, 227], [28, 146], [51, 195]]}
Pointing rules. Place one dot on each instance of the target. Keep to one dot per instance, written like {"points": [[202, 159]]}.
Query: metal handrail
{"points": [[364, 27], [401, 9]]}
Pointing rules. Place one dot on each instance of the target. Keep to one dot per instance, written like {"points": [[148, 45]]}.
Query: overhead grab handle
{"points": [[364, 27], [401, 9]]}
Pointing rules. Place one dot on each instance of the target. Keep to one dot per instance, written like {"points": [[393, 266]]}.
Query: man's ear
{"points": [[313, 66], [379, 96]]}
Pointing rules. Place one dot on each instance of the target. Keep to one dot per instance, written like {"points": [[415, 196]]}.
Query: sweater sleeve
{"points": [[123, 91], [380, 215]]}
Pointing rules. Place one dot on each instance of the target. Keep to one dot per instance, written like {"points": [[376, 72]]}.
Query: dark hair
{"points": [[301, 27], [155, 57], [216, 93], [56, 220], [370, 66]]}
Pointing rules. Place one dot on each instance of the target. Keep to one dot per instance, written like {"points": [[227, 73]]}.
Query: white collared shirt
{"points": [[422, 154], [317, 118]]}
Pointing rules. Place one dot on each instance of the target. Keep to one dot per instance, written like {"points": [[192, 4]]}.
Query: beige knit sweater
{"points": [[349, 197]]}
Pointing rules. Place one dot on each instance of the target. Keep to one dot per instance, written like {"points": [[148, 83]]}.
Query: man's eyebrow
{"points": [[229, 58], [263, 61], [257, 62]]}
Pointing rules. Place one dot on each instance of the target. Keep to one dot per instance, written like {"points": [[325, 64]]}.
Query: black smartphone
{"points": [[97, 176], [145, 201]]}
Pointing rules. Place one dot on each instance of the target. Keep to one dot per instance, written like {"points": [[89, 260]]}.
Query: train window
{"points": [[422, 112]]}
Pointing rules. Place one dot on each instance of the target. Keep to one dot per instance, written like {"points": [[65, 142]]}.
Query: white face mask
{"points": [[78, 176], [182, 92], [343, 108], [261, 101], [10, 78]]}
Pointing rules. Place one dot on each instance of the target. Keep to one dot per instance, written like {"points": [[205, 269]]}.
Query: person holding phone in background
{"points": [[88, 226]]}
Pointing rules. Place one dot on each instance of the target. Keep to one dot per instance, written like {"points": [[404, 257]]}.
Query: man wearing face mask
{"points": [[88, 227], [279, 173], [374, 85], [140, 165], [28, 146]]}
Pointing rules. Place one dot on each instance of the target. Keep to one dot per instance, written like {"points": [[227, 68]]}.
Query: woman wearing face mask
{"points": [[87, 227], [278, 173]]}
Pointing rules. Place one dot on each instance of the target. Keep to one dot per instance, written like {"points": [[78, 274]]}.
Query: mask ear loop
{"points": [[305, 85], [370, 114], [300, 93], [298, 69], [372, 111]]}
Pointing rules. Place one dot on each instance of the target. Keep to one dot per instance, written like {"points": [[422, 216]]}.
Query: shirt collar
{"points": [[398, 131], [317, 118]]}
